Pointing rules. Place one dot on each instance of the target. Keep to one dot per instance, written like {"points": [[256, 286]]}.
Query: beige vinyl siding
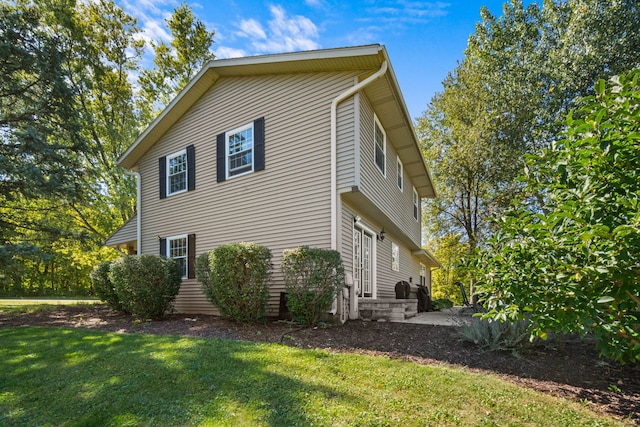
{"points": [[387, 278], [284, 206], [346, 230], [346, 145], [384, 191]]}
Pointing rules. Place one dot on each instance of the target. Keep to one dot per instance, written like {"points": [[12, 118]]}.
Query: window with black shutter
{"points": [[240, 151]]}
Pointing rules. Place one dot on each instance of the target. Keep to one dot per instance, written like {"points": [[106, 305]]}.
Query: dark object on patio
{"points": [[403, 289], [424, 300], [463, 291]]}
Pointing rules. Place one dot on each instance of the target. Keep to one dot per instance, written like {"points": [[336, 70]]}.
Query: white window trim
{"points": [[384, 145], [416, 205], [400, 174], [226, 150], [186, 173], [186, 257], [395, 253]]}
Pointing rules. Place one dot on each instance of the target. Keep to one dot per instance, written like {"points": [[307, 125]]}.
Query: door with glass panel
{"points": [[362, 262]]}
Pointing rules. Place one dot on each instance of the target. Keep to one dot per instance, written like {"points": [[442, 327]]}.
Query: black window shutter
{"points": [[220, 158], [191, 168], [162, 173], [258, 144], [191, 256], [163, 247]]}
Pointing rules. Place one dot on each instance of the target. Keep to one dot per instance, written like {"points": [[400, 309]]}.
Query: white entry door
{"points": [[363, 262]]}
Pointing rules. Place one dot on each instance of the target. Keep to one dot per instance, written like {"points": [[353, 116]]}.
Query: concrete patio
{"points": [[447, 317]]}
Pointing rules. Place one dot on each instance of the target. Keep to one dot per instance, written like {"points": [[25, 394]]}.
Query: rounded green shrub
{"points": [[234, 277], [103, 287], [313, 277], [146, 284]]}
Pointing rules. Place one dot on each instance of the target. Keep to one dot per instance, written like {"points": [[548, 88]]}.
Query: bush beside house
{"points": [[313, 277], [141, 285], [103, 287], [235, 278]]}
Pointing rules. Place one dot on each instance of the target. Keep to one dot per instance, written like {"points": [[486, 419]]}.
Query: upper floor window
{"points": [[178, 172], [416, 204], [380, 142], [400, 175], [240, 150]]}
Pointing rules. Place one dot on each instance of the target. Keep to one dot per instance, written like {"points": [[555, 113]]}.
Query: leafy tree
{"points": [[472, 169], [102, 50], [38, 121], [521, 74], [573, 267], [67, 113], [451, 253], [175, 64]]}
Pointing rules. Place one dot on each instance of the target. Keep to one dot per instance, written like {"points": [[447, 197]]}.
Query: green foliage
{"points": [[523, 71], [497, 336], [572, 264], [313, 277], [175, 64], [451, 253], [146, 285], [68, 110], [103, 287], [236, 279], [40, 126], [441, 303]]}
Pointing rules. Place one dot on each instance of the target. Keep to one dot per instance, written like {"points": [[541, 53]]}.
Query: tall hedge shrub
{"points": [[235, 278], [313, 277], [146, 285], [103, 287]]}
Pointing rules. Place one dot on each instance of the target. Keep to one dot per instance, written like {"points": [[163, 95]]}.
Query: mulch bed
{"points": [[566, 366]]}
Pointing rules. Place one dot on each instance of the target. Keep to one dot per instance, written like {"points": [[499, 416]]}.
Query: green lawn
{"points": [[51, 376]]}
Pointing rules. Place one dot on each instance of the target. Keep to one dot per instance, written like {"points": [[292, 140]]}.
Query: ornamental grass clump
{"points": [[494, 335], [146, 285], [235, 278], [313, 277]]}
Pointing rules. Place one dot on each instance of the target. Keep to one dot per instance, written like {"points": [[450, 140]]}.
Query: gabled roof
{"points": [[384, 94]]}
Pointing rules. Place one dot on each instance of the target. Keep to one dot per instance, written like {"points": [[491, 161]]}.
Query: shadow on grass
{"points": [[72, 377]]}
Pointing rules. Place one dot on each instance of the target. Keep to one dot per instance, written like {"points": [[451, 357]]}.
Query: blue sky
{"points": [[424, 39]]}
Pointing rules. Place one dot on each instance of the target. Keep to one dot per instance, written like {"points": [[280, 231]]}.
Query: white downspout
{"points": [[353, 310], [138, 208], [334, 148]]}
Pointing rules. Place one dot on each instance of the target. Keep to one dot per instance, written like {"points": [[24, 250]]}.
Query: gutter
{"points": [[138, 208], [334, 147]]}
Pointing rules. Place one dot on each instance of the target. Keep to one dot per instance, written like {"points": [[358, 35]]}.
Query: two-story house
{"points": [[311, 148]]}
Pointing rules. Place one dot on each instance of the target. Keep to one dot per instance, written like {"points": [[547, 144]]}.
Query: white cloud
{"points": [[155, 30], [223, 52], [252, 28], [151, 15], [285, 33]]}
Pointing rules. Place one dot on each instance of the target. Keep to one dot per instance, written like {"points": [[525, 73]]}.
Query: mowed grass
{"points": [[70, 377], [35, 305]]}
